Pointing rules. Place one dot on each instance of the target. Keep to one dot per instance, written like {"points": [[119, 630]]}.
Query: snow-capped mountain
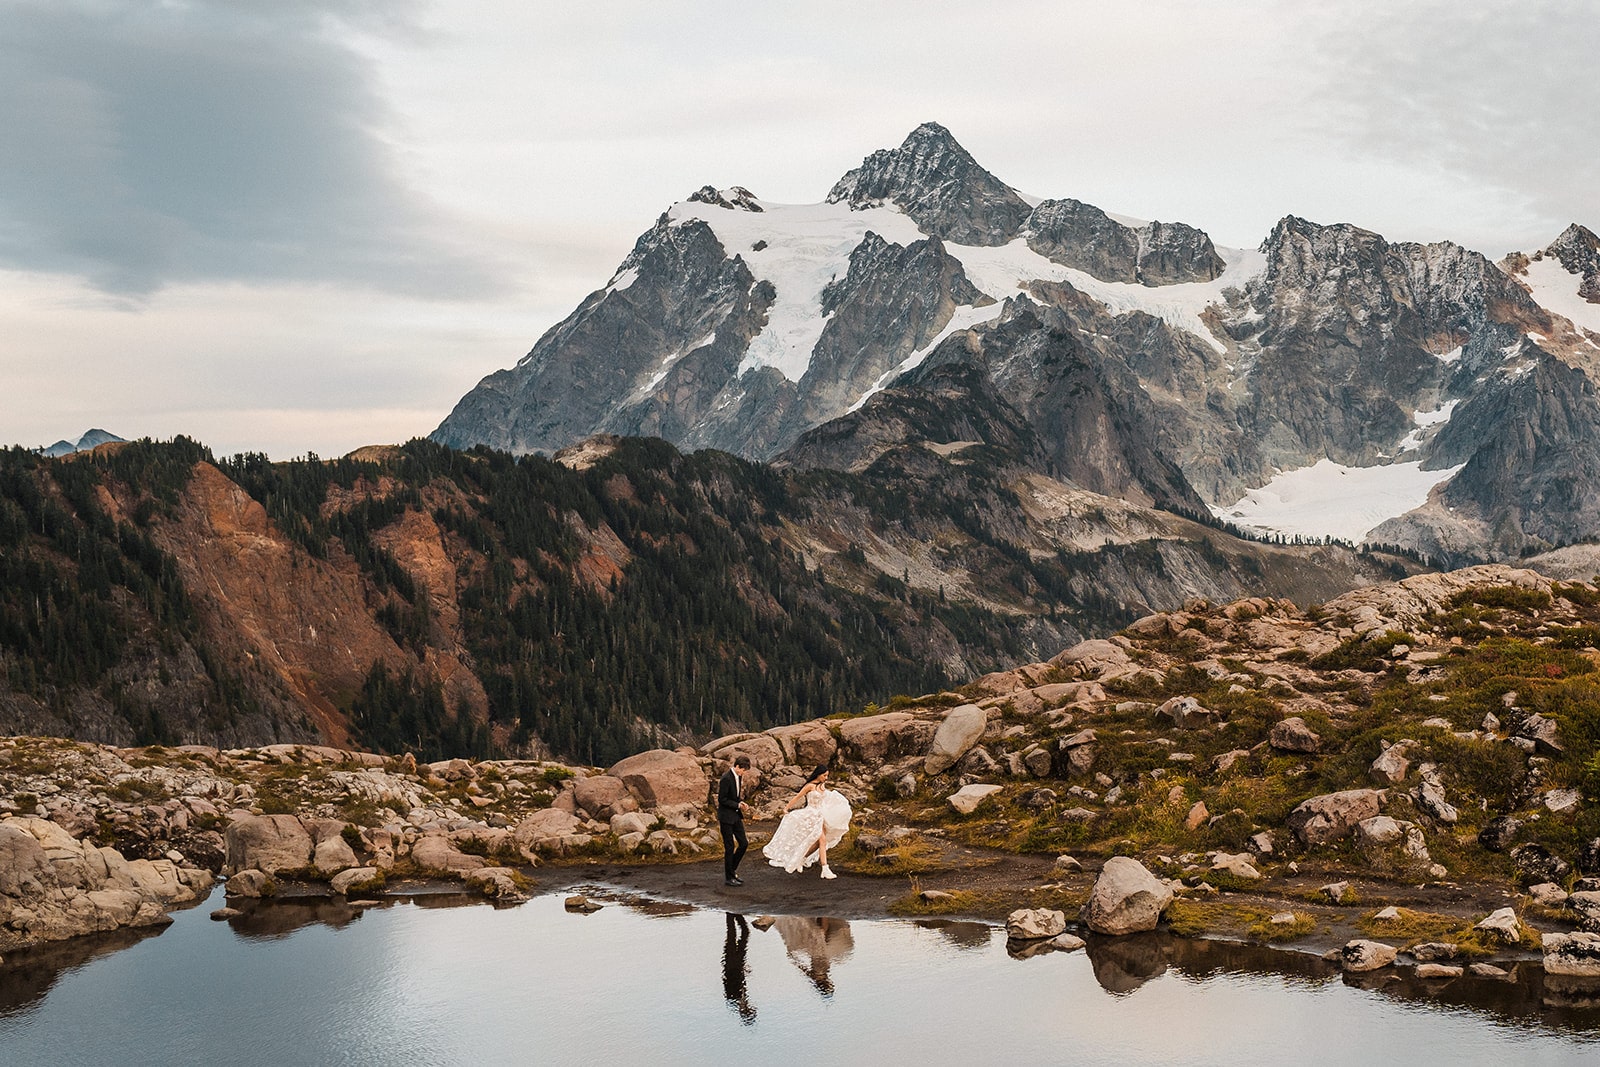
{"points": [[1327, 382]]}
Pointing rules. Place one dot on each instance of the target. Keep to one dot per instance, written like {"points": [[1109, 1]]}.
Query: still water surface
{"points": [[646, 982]]}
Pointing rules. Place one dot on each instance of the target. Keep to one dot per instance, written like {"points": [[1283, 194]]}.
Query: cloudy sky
{"points": [[292, 225]]}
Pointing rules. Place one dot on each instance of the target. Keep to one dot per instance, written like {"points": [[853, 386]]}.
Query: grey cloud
{"points": [[1497, 93], [152, 143]]}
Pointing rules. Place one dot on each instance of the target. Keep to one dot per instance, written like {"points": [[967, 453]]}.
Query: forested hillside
{"points": [[420, 598]]}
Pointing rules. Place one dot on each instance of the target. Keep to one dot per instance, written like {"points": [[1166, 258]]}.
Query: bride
{"points": [[816, 819]]}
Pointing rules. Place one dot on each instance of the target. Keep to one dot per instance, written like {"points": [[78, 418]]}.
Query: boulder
{"points": [[967, 798], [498, 883], [1094, 658], [1535, 863], [601, 796], [1574, 955], [1236, 864], [251, 885], [1126, 898], [764, 752], [871, 737], [961, 729], [356, 878], [1563, 801], [332, 855], [1058, 693], [1380, 831], [1077, 752], [1293, 735], [543, 827], [1439, 970], [435, 853], [1502, 924], [1338, 892], [1331, 816], [1187, 713], [1361, 955], [268, 843], [1498, 834], [806, 744], [1543, 733], [1038, 762], [633, 822], [1029, 924], [660, 776], [1548, 894], [1430, 797], [1585, 904], [1429, 951], [1391, 765], [1589, 856]]}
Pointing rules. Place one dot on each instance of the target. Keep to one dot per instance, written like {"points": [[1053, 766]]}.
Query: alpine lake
{"points": [[447, 979]]}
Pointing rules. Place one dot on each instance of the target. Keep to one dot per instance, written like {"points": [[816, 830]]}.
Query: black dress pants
{"points": [[733, 845]]}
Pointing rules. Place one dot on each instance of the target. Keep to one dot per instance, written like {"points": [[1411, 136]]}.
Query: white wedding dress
{"points": [[794, 844]]}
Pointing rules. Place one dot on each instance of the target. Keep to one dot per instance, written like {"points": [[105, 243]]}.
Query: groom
{"points": [[730, 814]]}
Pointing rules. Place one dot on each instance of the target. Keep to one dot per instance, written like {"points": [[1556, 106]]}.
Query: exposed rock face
{"points": [[54, 886], [677, 299], [1330, 343], [935, 181], [1079, 235], [1126, 898]]}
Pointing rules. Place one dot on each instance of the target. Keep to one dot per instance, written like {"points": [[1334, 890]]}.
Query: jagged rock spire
{"points": [[937, 182]]}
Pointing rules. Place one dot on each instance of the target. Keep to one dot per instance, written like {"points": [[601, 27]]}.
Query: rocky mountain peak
{"points": [[940, 186], [734, 198], [1578, 250], [1082, 236]]}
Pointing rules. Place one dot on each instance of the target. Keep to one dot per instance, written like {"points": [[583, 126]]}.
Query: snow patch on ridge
{"points": [[803, 247], [1006, 270], [1329, 499], [964, 318], [672, 357], [1557, 290], [1424, 419]]}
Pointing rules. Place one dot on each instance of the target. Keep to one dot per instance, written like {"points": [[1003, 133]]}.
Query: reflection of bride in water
{"points": [[814, 945]]}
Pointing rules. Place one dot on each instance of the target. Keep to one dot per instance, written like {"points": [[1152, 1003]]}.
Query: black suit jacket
{"points": [[728, 799]]}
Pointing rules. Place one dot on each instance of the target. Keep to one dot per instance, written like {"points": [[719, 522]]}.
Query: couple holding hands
{"points": [[815, 819]]}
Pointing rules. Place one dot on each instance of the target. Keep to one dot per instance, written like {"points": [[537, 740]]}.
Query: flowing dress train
{"points": [[794, 844]]}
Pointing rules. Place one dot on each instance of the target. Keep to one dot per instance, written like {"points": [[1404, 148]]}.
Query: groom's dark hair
{"points": [[742, 762]]}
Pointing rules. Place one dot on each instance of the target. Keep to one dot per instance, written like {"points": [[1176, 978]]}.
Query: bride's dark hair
{"points": [[822, 768]]}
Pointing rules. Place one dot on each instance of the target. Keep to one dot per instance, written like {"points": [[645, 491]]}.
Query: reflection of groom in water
{"points": [[734, 968]]}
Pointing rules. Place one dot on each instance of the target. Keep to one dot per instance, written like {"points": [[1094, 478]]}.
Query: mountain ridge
{"points": [[1326, 344]]}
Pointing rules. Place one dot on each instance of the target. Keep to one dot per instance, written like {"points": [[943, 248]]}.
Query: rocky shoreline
{"points": [[1414, 763]]}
